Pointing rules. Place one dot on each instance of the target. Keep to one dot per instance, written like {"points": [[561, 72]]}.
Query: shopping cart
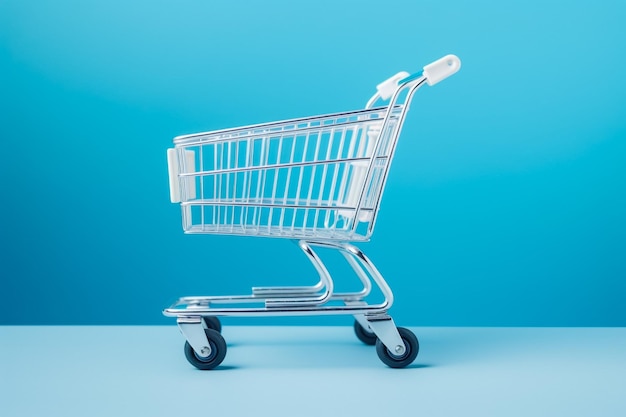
{"points": [[316, 180]]}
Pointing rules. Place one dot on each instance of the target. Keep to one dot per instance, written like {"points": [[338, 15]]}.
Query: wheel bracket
{"points": [[385, 329], [192, 329]]}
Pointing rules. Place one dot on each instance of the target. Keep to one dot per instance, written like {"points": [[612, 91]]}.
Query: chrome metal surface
{"points": [[271, 127], [310, 178], [277, 303], [325, 279]]}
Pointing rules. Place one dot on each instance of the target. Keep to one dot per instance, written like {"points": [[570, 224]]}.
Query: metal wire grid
{"points": [[298, 179]]}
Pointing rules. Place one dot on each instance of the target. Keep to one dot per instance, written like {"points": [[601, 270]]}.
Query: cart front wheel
{"points": [[411, 348], [365, 335], [212, 322], [214, 357]]}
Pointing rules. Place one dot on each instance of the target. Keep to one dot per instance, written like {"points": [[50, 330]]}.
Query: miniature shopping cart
{"points": [[316, 180]]}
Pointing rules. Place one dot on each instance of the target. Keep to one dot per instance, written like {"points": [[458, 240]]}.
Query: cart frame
{"points": [[222, 194]]}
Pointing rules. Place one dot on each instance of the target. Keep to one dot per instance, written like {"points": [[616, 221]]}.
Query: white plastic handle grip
{"points": [[441, 69], [389, 86]]}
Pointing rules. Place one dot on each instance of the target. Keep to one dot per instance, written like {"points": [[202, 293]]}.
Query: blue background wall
{"points": [[506, 203]]}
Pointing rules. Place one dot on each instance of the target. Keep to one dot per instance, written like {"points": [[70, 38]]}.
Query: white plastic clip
{"points": [[441, 69], [173, 171], [389, 86]]}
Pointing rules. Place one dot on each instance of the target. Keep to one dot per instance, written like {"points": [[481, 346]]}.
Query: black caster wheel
{"points": [[214, 358], [365, 335], [212, 322], [392, 360]]}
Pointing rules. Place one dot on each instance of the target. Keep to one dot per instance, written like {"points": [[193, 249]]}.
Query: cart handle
{"points": [[434, 72], [441, 69]]}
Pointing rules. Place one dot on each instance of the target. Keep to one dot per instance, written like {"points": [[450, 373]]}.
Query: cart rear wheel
{"points": [[365, 335], [214, 358], [212, 322], [411, 346]]}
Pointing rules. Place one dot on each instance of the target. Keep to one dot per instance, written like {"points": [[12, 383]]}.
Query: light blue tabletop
{"points": [[312, 371]]}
